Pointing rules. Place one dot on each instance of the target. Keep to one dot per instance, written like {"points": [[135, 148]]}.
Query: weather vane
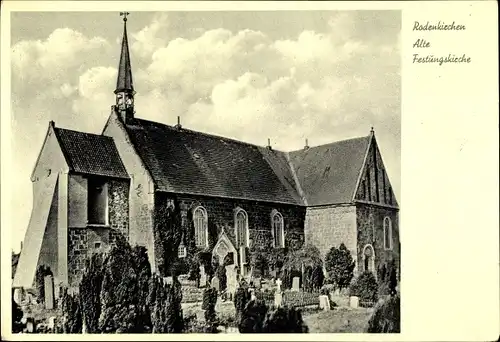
{"points": [[124, 14]]}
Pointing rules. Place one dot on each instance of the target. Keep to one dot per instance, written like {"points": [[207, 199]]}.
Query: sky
{"points": [[282, 75]]}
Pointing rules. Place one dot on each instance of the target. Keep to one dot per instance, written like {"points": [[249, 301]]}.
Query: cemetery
{"points": [[212, 301]]}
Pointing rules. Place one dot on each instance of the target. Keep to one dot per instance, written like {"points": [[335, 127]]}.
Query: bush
{"points": [[209, 301], [386, 317], [252, 317], [90, 293], [387, 276], [164, 301], [72, 313], [365, 287], [221, 274], [241, 298], [17, 315], [339, 265], [284, 320]]}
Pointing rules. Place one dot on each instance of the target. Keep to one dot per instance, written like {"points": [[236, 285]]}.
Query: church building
{"points": [[90, 188]]}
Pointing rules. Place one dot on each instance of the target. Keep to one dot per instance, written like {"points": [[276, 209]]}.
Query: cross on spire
{"points": [[124, 15]]}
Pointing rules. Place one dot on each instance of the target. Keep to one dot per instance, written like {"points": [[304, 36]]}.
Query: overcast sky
{"points": [[286, 76]]}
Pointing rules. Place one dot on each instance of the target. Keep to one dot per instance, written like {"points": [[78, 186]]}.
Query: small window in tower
{"points": [[97, 212], [97, 245]]}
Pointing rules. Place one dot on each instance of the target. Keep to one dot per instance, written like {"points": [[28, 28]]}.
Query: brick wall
{"points": [[370, 223], [327, 227]]}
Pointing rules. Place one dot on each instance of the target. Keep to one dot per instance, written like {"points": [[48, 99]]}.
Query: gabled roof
{"points": [[328, 174], [90, 153], [185, 161]]}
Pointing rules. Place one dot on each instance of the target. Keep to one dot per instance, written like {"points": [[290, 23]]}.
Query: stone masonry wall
{"points": [[82, 241], [370, 223], [327, 227], [221, 211]]}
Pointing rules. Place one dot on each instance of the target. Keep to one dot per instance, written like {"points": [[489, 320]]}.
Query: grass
{"points": [[342, 320]]}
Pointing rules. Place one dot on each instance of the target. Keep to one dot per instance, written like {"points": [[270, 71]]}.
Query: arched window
{"points": [[387, 233], [278, 231], [369, 259], [241, 226], [200, 227]]}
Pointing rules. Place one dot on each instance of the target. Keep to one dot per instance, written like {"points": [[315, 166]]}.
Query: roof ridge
{"points": [[212, 135], [331, 143], [75, 131]]}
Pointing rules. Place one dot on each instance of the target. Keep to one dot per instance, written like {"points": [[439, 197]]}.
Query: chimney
{"points": [[307, 144], [269, 144], [178, 126]]}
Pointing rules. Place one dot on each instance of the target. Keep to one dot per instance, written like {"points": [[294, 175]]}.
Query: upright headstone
{"points": [[296, 284], [278, 299], [258, 283], [49, 292], [30, 325], [203, 276], [324, 303], [215, 283], [278, 284], [232, 282], [18, 298], [354, 302]]}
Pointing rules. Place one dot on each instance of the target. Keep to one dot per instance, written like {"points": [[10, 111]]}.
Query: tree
{"points": [[121, 309], [90, 292], [209, 302], [221, 274], [339, 265], [165, 307], [365, 287], [168, 232], [317, 278], [72, 313], [386, 317], [393, 279], [241, 298]]}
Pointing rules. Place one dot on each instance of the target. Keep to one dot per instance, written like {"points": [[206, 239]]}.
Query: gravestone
{"points": [[203, 276], [296, 284], [18, 296], [30, 325], [232, 282], [278, 284], [278, 299], [49, 292], [324, 303], [258, 283], [252, 293], [215, 283], [52, 323], [354, 302]]}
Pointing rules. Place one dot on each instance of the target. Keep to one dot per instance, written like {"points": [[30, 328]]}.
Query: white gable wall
{"points": [[141, 196]]}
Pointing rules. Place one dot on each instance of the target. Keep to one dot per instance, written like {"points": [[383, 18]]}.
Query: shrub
{"points": [[284, 320], [168, 233], [339, 265], [121, 309], [221, 274], [317, 278], [90, 293], [386, 317], [17, 315], [165, 306], [72, 313], [209, 301], [252, 317], [387, 276], [241, 298], [364, 287]]}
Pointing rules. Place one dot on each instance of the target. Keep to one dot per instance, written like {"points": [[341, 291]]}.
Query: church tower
{"points": [[124, 85]]}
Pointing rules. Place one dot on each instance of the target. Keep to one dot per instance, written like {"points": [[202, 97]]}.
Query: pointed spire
{"points": [[124, 82]]}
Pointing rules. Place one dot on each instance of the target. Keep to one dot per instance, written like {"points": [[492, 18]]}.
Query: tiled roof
{"points": [[90, 153], [185, 161], [328, 174]]}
